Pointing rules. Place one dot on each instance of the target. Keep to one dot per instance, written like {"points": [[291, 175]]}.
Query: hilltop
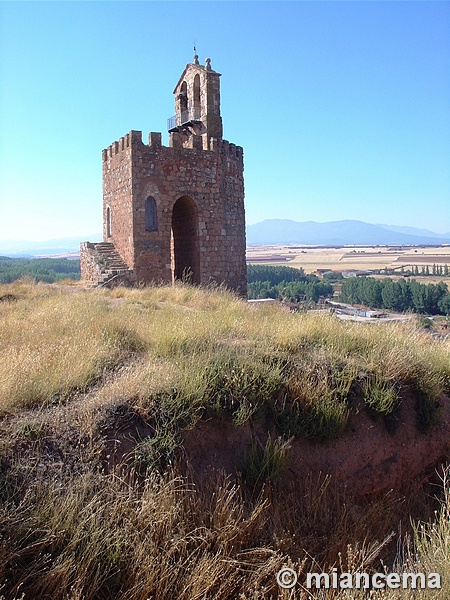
{"points": [[173, 442]]}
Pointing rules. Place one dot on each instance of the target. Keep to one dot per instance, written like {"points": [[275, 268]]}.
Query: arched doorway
{"points": [[184, 241]]}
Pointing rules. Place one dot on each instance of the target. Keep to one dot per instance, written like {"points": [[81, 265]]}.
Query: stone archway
{"points": [[184, 241]]}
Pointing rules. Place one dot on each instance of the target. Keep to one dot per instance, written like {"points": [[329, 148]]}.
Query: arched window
{"points": [[108, 222], [183, 99], [196, 97], [150, 215], [184, 96]]}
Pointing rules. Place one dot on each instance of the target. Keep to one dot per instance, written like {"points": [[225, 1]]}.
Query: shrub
{"points": [[242, 383], [264, 463], [381, 397]]}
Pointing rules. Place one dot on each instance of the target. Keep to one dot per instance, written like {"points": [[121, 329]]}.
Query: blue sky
{"points": [[342, 107]]}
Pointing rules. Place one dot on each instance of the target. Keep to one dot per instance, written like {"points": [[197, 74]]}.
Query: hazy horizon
{"points": [[95, 236]]}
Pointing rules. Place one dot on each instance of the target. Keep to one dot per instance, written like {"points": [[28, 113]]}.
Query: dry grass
{"points": [[54, 342], [74, 362], [53, 345], [104, 536]]}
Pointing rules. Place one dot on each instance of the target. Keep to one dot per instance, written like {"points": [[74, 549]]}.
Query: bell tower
{"points": [[197, 104], [176, 212]]}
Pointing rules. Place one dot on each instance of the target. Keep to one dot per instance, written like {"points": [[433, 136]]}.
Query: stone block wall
{"points": [[211, 181], [117, 196], [90, 269]]}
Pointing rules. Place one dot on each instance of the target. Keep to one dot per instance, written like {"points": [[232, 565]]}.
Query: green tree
{"points": [[42, 269], [418, 299], [391, 295], [444, 304], [274, 274]]}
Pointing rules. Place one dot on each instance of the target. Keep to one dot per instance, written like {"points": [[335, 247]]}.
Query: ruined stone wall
{"points": [[90, 270]]}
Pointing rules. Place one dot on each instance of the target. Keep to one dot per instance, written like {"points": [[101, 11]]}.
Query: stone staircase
{"points": [[112, 267]]}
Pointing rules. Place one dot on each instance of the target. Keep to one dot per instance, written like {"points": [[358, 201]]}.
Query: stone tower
{"points": [[174, 212]]}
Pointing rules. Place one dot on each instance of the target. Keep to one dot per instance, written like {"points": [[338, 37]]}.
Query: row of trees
{"points": [[285, 283], [290, 291], [400, 296], [437, 270], [48, 270], [275, 275]]}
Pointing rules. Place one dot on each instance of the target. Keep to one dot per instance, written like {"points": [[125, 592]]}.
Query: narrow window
{"points": [[197, 111], [108, 222], [150, 215], [183, 98]]}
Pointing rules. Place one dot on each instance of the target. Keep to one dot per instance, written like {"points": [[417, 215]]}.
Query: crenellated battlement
{"points": [[227, 149], [125, 142], [176, 142]]}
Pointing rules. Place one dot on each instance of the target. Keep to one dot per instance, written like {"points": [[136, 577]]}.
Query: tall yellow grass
{"points": [[73, 533], [104, 536]]}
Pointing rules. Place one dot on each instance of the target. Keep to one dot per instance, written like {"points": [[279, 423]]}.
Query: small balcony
{"points": [[187, 117]]}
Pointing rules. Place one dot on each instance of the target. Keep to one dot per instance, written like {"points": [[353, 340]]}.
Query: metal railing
{"points": [[189, 115]]}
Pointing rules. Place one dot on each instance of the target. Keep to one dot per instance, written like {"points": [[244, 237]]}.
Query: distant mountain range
{"points": [[339, 233], [271, 231], [416, 231]]}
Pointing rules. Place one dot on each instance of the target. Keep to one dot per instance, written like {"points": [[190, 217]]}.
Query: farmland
{"points": [[343, 258]]}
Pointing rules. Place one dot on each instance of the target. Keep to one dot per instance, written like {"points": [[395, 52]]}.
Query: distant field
{"points": [[425, 259], [311, 258]]}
